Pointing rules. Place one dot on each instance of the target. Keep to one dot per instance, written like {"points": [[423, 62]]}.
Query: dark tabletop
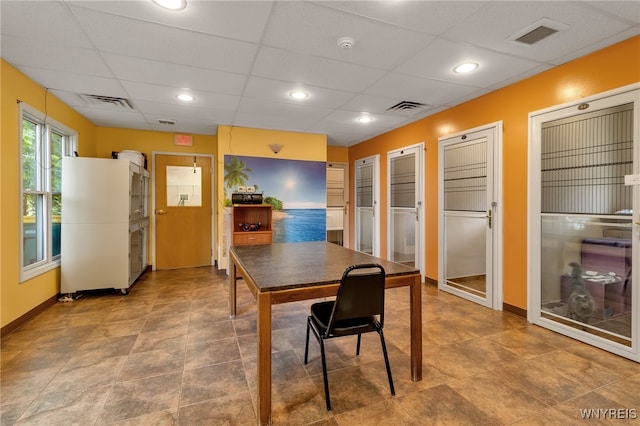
{"points": [[293, 265]]}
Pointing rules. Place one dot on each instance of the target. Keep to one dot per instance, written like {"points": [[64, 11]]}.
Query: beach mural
{"points": [[296, 189]]}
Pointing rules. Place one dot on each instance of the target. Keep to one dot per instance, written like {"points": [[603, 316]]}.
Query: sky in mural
{"points": [[298, 184]]}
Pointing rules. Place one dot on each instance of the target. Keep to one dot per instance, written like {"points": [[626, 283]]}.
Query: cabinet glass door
{"points": [[366, 211]]}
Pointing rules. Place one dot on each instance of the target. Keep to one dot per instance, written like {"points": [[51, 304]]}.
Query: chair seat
{"points": [[321, 314]]}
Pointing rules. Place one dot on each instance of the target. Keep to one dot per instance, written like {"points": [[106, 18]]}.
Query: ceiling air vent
{"points": [[538, 31], [99, 100], [536, 35], [406, 105], [167, 122]]}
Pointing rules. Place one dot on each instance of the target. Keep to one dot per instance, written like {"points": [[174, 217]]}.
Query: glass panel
{"points": [[465, 176], [184, 186], [29, 155], [404, 236], [586, 222], [335, 187], [364, 185], [57, 141], [403, 181], [56, 225], [33, 228], [365, 240], [465, 252], [586, 273]]}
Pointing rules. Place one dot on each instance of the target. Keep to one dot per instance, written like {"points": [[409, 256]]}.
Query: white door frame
{"points": [[626, 94], [153, 201], [345, 222], [495, 256], [419, 150], [375, 161]]}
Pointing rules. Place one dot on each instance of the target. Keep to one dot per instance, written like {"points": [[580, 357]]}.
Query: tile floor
{"points": [[168, 354]]}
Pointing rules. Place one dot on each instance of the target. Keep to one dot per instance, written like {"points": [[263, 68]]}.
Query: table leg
{"points": [[416, 329], [232, 290], [264, 358]]}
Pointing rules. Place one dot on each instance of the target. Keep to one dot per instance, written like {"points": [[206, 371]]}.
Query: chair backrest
{"points": [[361, 294]]}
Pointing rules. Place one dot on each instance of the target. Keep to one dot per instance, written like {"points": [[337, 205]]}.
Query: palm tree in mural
{"points": [[235, 173]]}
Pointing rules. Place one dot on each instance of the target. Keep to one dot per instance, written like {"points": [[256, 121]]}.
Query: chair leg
{"points": [[358, 347], [386, 361], [324, 375], [306, 346]]}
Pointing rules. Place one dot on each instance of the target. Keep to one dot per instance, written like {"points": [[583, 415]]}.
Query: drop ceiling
{"points": [[241, 59]]}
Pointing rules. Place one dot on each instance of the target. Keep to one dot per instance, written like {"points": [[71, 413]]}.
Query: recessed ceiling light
{"points": [[299, 94], [186, 97], [365, 118], [171, 4], [465, 67]]}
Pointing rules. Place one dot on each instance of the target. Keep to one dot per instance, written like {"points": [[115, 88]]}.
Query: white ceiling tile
{"points": [[266, 89], [41, 54], [130, 37], [50, 22], [416, 89], [319, 28], [493, 25], [438, 60], [168, 95], [241, 20], [279, 64], [75, 83], [175, 75], [432, 17]]}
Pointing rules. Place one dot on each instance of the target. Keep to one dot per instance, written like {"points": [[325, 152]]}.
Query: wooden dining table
{"points": [[289, 272]]}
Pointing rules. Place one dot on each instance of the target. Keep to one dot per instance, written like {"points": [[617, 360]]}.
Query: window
{"points": [[43, 143]]}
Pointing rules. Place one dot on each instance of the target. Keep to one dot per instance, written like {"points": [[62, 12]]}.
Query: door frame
{"points": [[153, 202], [375, 161], [420, 189], [496, 261], [345, 221], [629, 93]]}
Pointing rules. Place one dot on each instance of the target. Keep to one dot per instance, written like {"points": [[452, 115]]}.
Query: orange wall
{"points": [[613, 67]]}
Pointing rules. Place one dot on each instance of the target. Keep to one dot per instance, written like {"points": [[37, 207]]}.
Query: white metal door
{"points": [[338, 203], [367, 222], [406, 210], [469, 219], [584, 220]]}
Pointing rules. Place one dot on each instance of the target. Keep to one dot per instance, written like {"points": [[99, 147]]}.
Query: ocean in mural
{"points": [[298, 225], [296, 189]]}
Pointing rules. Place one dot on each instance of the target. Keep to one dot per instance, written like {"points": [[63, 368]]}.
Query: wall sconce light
{"points": [[275, 147]]}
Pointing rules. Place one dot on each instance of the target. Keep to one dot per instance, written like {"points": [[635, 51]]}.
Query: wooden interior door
{"points": [[183, 212]]}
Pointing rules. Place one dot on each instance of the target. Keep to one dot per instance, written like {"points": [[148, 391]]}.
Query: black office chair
{"points": [[358, 308]]}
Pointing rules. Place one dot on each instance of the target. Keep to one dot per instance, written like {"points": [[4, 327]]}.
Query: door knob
{"points": [[160, 211]]}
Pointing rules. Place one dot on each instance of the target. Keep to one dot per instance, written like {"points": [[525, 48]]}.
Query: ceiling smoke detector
{"points": [[346, 42]]}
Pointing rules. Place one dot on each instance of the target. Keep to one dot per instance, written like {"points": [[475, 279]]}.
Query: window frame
{"points": [[45, 128]]}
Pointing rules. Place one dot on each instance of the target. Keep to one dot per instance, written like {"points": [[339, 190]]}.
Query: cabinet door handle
{"points": [[160, 211]]}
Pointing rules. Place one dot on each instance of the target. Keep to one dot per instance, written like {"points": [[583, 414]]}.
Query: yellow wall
{"points": [[613, 67], [243, 141], [17, 298]]}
